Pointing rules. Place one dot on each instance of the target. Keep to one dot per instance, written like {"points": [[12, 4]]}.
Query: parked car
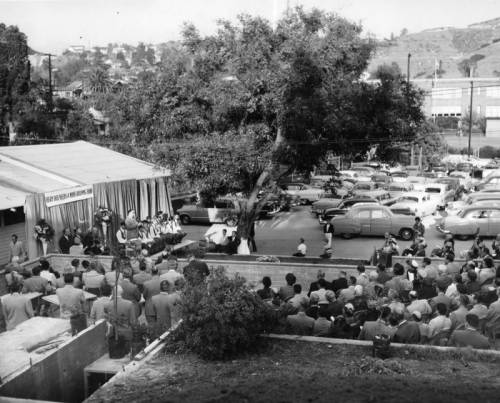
{"points": [[492, 181], [378, 194], [307, 194], [327, 201], [399, 176], [397, 189], [453, 207], [441, 193], [382, 181], [482, 220], [343, 208], [362, 187], [221, 211], [373, 220], [464, 178], [416, 203], [454, 183]]}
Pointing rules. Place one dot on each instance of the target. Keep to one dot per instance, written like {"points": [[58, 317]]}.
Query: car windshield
{"points": [[408, 198], [397, 188], [432, 190], [363, 186]]}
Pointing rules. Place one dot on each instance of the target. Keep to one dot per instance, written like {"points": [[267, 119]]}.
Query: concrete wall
{"points": [[305, 273], [59, 376]]}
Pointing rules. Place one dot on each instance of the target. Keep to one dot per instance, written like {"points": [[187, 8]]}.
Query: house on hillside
{"points": [[71, 91]]}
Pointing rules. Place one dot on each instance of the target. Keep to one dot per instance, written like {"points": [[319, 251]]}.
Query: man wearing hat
{"points": [[470, 336]]}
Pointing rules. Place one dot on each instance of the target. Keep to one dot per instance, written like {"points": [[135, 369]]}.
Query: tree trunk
{"points": [[250, 208]]}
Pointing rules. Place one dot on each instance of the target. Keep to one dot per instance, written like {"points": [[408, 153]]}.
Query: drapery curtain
{"points": [[145, 196]]}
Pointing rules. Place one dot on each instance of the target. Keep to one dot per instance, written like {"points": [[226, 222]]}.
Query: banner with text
{"points": [[68, 195]]}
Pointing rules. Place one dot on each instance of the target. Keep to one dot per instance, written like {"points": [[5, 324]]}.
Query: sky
{"points": [[53, 25]]}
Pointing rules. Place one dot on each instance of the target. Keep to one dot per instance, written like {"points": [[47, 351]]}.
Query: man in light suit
{"points": [[16, 308], [72, 304], [165, 306]]}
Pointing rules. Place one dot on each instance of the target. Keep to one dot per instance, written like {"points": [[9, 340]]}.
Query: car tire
{"points": [[406, 234], [185, 219], [346, 235]]}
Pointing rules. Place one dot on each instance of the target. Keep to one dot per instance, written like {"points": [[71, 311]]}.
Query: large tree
{"points": [[14, 73], [234, 108]]}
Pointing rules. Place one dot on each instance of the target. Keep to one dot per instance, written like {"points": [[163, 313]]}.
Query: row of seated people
{"points": [[446, 311]]}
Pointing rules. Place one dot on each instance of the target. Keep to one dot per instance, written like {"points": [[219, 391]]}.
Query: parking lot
{"points": [[279, 236]]}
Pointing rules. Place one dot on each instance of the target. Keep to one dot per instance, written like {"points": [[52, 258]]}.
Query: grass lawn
{"points": [[295, 371]]}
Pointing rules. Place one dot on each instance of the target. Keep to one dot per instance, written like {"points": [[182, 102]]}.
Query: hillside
{"points": [[454, 49]]}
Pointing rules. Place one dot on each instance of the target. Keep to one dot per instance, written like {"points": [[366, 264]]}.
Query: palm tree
{"points": [[99, 80]]}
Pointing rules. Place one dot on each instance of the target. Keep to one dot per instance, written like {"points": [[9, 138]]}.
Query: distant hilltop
{"points": [[446, 52]]}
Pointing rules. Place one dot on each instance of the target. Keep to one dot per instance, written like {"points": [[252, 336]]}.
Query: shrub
{"points": [[221, 318]]}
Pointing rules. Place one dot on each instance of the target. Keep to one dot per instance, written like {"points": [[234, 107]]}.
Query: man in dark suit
{"points": [[340, 283], [407, 332], [66, 241], [373, 328], [300, 323], [315, 286], [131, 292], [470, 336]]}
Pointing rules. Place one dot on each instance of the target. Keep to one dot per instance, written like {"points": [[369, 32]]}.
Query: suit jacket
{"points": [[300, 324], [328, 228], [16, 308], [124, 317], [163, 306], [407, 333], [65, 244], [71, 301], [35, 284], [131, 293], [468, 337], [373, 328], [149, 289]]}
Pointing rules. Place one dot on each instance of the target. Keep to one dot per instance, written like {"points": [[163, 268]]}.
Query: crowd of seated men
{"points": [[421, 303]]}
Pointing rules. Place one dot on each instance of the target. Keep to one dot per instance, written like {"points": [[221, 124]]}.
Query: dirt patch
{"points": [[294, 371]]}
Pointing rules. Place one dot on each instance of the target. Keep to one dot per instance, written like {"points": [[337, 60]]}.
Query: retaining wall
{"points": [[59, 376]]}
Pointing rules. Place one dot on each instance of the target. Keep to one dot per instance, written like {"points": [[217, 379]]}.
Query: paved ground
{"points": [[279, 236]]}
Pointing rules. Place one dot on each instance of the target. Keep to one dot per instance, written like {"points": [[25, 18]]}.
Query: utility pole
{"points": [[408, 68], [51, 101], [470, 114]]}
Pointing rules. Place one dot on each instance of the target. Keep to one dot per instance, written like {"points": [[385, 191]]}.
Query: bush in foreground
{"points": [[221, 318]]}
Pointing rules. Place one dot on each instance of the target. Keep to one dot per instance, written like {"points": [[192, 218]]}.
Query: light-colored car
{"points": [[482, 220], [343, 208], [464, 178], [440, 193], [221, 211], [307, 194], [373, 220], [453, 207], [417, 203], [397, 189], [399, 176]]}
